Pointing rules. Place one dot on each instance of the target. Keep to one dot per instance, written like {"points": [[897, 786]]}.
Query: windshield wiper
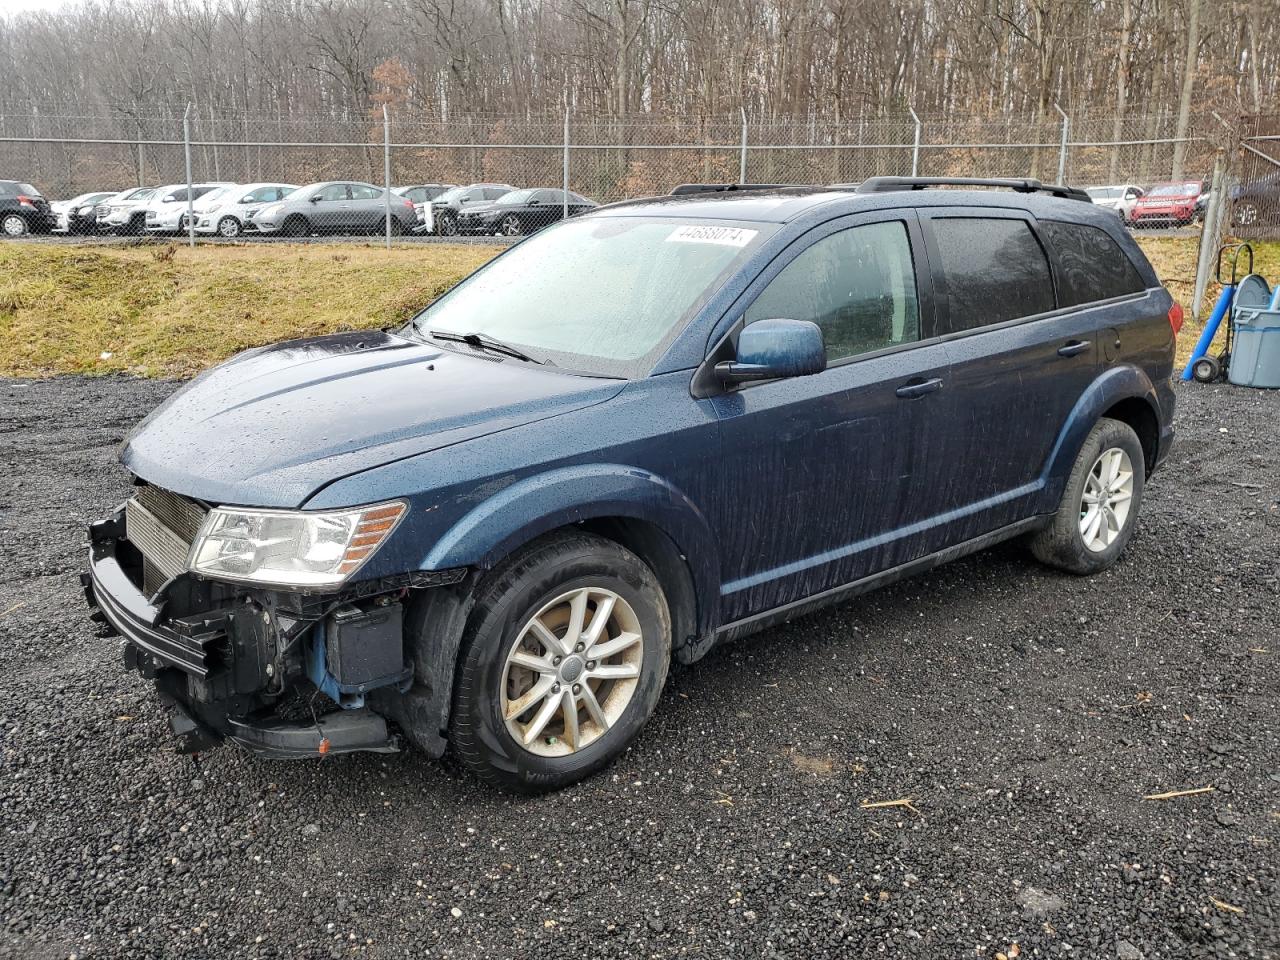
{"points": [[483, 341]]}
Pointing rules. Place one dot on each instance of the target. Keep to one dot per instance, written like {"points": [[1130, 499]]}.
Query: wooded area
{"points": [[834, 61]]}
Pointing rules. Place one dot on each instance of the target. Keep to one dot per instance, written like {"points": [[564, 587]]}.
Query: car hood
{"points": [[272, 426]]}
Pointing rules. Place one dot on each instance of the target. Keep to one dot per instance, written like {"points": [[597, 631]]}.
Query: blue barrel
{"points": [[1255, 343]]}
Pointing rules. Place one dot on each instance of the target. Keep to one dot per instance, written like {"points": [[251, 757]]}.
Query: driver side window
{"points": [[335, 191], [858, 285]]}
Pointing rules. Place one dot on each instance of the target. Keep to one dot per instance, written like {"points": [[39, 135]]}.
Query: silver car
{"points": [[335, 207], [126, 212], [233, 210]]}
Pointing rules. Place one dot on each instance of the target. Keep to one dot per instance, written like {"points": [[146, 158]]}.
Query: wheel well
{"points": [[1137, 413], [652, 545]]}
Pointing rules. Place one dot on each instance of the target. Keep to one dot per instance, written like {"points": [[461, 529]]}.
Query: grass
{"points": [[171, 311], [165, 310]]}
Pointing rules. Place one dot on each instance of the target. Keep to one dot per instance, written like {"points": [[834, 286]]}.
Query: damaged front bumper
{"points": [[281, 674]]}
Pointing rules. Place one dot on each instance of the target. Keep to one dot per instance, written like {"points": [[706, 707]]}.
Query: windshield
{"points": [[1104, 193], [451, 196], [1174, 190], [603, 296], [515, 197]]}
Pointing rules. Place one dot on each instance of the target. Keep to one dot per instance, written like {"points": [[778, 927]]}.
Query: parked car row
{"points": [[1175, 203]]}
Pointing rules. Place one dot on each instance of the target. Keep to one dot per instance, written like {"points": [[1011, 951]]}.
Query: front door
{"points": [[828, 477]]}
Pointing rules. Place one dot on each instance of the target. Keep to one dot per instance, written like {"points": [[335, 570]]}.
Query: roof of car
{"points": [[784, 204]]}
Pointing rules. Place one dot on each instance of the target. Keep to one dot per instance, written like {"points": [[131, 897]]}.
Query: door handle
{"points": [[909, 391], [1073, 348]]}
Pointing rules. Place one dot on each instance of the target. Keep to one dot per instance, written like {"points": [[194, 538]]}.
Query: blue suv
{"points": [[653, 428]]}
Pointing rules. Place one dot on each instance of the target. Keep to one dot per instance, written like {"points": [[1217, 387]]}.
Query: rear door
{"points": [[1019, 364]]}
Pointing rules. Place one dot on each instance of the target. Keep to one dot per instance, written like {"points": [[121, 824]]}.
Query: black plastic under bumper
{"points": [[127, 610]]}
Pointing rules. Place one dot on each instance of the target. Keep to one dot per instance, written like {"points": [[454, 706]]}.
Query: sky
{"points": [[21, 6]]}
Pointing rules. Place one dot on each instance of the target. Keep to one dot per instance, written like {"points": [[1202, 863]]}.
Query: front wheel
{"points": [[229, 227], [1246, 214], [511, 226], [1099, 508], [447, 225], [564, 658]]}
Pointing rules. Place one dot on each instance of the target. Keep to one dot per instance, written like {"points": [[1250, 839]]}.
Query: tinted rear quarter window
{"points": [[992, 270], [1090, 265]]}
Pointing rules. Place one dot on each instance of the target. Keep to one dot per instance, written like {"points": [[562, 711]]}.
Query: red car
{"points": [[1171, 203]]}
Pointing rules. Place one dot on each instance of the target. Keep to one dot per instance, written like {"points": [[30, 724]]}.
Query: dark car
{"points": [[650, 429], [440, 216], [1257, 203], [522, 211], [80, 214], [23, 210]]}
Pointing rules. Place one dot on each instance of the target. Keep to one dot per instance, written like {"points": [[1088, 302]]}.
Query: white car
{"points": [[229, 212], [126, 212], [167, 210], [1119, 198]]}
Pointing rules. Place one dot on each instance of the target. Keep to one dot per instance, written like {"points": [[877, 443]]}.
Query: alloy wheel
{"points": [[1247, 214], [229, 227], [511, 225], [572, 671], [1106, 500]]}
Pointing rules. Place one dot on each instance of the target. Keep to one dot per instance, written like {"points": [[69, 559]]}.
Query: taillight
{"points": [[1175, 318], [26, 201], [409, 204]]}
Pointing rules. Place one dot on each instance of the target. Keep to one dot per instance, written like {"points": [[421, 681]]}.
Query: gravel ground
{"points": [[1025, 714]]}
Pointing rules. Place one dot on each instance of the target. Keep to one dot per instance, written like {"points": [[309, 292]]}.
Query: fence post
{"points": [[186, 146], [1208, 237], [386, 170], [142, 164], [1062, 151], [565, 211], [915, 149], [742, 161]]}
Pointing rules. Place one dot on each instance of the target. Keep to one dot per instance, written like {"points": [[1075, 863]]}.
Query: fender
{"points": [[542, 503], [1123, 382]]}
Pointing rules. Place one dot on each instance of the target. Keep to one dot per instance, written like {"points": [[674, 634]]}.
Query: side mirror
{"points": [[315, 198], [770, 349], [248, 199], [169, 199]]}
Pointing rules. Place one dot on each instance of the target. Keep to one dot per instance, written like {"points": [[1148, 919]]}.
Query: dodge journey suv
{"points": [[647, 430]]}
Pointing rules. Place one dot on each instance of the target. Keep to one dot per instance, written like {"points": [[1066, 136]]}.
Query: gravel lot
{"points": [[1025, 714]]}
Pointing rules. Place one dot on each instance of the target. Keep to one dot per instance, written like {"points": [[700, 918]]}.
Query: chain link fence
{"points": [[597, 160]]}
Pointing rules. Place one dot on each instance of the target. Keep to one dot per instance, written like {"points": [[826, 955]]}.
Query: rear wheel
{"points": [[1246, 214], [229, 227], [1099, 508], [564, 658], [14, 225]]}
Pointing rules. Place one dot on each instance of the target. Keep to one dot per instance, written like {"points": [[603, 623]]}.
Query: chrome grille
{"points": [[162, 526]]}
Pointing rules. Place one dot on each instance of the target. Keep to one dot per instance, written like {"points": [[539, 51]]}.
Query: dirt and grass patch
{"points": [[165, 310]]}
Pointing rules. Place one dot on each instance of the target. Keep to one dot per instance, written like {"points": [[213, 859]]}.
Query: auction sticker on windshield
{"points": [[725, 236]]}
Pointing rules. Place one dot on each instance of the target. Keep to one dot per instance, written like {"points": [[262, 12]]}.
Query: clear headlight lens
{"points": [[291, 547]]}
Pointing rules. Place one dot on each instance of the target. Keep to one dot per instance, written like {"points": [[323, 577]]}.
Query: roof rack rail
{"points": [[1019, 185], [686, 189]]}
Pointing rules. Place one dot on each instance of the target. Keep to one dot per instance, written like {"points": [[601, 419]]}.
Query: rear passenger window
{"points": [[992, 271], [1090, 265], [858, 285]]}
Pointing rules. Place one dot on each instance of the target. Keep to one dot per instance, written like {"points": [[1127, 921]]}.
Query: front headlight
{"points": [[85, 211], [294, 548]]}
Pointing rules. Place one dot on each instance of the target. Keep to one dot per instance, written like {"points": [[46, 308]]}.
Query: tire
{"points": [[511, 226], [1206, 370], [447, 225], [1247, 214], [229, 228], [512, 751], [136, 226], [1063, 544], [14, 225], [295, 225]]}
